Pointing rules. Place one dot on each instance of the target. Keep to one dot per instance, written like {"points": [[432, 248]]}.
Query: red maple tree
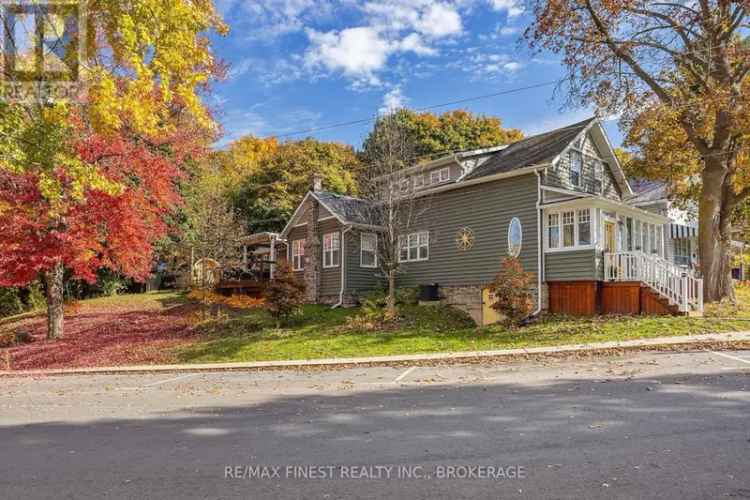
{"points": [[113, 231]]}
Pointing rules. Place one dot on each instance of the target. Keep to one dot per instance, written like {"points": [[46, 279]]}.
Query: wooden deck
{"points": [[253, 288]]}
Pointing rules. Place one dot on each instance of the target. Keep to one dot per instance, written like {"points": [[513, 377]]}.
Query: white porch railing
{"points": [[678, 285]]}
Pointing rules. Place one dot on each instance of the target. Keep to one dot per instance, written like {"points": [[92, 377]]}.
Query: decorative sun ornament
{"points": [[465, 239]]}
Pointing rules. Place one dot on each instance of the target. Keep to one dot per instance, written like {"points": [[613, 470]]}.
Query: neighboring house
{"points": [[558, 201], [681, 234]]}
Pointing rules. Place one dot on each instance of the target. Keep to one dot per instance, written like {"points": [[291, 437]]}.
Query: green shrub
{"points": [[35, 298], [10, 302], [407, 296], [111, 285], [435, 318]]}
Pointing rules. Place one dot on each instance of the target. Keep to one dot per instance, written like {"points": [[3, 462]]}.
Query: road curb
{"points": [[725, 340]]}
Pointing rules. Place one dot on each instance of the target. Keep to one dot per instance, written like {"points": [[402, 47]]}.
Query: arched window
{"points": [[515, 237]]}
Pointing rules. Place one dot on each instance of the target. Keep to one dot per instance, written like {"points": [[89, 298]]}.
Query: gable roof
{"points": [[646, 191], [346, 209], [535, 150]]}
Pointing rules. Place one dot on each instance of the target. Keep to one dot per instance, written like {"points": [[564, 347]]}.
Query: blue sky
{"points": [[303, 64]]}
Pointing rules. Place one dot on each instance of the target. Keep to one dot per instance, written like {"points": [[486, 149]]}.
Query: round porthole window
{"points": [[515, 237]]}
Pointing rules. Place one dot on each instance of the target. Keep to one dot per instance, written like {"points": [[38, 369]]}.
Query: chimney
{"points": [[317, 183]]}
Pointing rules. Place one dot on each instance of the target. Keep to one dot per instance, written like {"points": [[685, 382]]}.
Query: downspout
{"points": [[540, 245], [343, 267]]}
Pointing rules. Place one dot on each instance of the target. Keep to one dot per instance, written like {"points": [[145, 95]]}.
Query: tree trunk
{"points": [[53, 280], [715, 237], [390, 303]]}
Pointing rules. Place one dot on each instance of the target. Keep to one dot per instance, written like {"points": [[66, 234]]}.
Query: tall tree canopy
{"points": [[268, 197], [434, 135], [244, 158], [679, 74], [85, 183]]}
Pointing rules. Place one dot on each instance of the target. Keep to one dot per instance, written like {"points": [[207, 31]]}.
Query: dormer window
{"points": [[440, 176], [405, 185]]}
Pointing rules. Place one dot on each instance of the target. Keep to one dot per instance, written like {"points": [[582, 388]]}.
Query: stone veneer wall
{"points": [[469, 300], [313, 264], [545, 297], [465, 298]]}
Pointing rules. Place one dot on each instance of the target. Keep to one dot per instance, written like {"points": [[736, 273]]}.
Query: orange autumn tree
{"points": [[679, 75], [87, 182]]}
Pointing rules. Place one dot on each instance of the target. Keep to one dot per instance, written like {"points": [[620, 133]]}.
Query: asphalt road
{"points": [[652, 425]]}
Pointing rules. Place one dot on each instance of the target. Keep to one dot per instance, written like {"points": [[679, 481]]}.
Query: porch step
{"points": [[653, 302]]}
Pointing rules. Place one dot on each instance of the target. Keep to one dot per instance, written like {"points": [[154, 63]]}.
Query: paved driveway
{"points": [[667, 426]]}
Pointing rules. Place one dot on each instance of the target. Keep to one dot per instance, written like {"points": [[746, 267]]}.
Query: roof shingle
{"points": [[534, 150]]}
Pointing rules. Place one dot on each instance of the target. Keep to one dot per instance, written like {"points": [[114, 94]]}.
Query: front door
{"points": [[610, 243]]}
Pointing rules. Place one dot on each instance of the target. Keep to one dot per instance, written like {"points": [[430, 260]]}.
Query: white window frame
{"points": [[681, 258], [439, 176], [560, 225], [414, 241], [568, 219], [298, 255], [550, 226], [579, 154], [584, 217], [599, 175], [511, 252], [331, 246], [374, 251]]}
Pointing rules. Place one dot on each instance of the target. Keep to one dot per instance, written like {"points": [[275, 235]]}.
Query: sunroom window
{"points": [[569, 229], [553, 228], [584, 227]]}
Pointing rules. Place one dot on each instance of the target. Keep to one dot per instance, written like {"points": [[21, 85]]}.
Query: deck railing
{"points": [[677, 284]]}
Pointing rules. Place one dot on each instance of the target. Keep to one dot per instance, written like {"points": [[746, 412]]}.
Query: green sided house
{"points": [[559, 201]]}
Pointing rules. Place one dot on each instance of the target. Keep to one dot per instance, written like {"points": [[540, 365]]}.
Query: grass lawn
{"points": [[108, 331], [323, 333], [165, 327]]}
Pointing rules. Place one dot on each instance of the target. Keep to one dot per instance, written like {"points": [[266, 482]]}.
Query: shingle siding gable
{"points": [[559, 174]]}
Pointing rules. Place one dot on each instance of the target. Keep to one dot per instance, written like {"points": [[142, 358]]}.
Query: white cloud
{"points": [[270, 19], [427, 17], [512, 7], [358, 52], [482, 65], [439, 20], [512, 66], [508, 30], [415, 43], [393, 100]]}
